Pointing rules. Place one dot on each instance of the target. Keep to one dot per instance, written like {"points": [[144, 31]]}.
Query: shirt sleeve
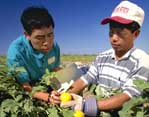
{"points": [[16, 66], [57, 49], [129, 87], [91, 76]]}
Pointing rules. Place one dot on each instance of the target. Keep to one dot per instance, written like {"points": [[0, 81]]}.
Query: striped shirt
{"points": [[112, 73]]}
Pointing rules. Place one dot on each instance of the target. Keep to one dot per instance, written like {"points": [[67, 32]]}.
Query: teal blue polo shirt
{"points": [[30, 63]]}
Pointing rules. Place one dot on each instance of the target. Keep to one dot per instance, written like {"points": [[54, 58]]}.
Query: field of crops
{"points": [[15, 102], [67, 58], [81, 58]]}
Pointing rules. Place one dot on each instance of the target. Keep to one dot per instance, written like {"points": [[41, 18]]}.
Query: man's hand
{"points": [[87, 105], [27, 87], [51, 98], [76, 103], [54, 97]]}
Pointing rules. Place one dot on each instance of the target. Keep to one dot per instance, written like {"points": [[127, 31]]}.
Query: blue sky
{"points": [[77, 30]]}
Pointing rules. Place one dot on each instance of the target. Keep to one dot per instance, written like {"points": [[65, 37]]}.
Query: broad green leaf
{"points": [[140, 114], [67, 113], [9, 105], [141, 84], [132, 106], [98, 92], [2, 113], [28, 106], [105, 114], [37, 88], [19, 97], [52, 112]]}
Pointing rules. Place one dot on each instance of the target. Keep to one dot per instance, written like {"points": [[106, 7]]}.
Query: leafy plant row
{"points": [[15, 102]]}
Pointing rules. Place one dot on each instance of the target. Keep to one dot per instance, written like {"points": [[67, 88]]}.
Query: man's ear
{"points": [[137, 32], [27, 35]]}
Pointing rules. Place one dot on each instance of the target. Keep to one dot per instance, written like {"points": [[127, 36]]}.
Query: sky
{"points": [[77, 24]]}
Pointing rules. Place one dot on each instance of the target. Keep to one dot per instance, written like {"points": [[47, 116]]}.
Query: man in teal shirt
{"points": [[36, 50], [23, 56]]}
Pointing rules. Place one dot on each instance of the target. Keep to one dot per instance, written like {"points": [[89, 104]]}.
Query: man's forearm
{"points": [[91, 106], [77, 86], [51, 98], [41, 96], [114, 102]]}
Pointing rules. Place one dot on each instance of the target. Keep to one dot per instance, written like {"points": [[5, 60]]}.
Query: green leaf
{"points": [[36, 89], [47, 71], [98, 92], [141, 84], [140, 114], [52, 112], [2, 113], [68, 113], [9, 105], [105, 114], [92, 88], [132, 106], [28, 106], [19, 97]]}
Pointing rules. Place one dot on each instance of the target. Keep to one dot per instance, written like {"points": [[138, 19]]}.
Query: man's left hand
{"points": [[76, 103]]}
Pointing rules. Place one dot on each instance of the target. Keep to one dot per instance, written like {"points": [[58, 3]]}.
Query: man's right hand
{"points": [[51, 98], [54, 98], [27, 87]]}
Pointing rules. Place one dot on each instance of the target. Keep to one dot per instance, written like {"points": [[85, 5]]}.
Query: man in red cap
{"points": [[117, 67]]}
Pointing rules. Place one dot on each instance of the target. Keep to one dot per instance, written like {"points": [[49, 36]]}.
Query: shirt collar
{"points": [[125, 56]]}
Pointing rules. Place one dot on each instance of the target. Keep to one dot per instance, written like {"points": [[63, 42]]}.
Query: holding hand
{"points": [[51, 98], [76, 102], [54, 97], [88, 105]]}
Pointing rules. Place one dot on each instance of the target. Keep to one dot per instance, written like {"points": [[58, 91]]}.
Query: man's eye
{"points": [[40, 38], [122, 33], [50, 35]]}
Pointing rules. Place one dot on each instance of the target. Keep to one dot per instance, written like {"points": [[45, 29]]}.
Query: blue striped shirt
{"points": [[31, 63], [112, 73]]}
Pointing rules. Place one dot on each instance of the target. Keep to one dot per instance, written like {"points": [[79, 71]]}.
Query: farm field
{"points": [[81, 58], [2, 59], [14, 101], [66, 58]]}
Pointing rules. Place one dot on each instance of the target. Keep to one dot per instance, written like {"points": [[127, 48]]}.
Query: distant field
{"points": [[2, 59], [80, 58], [66, 58]]}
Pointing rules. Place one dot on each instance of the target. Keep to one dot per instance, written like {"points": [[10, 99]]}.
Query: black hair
{"points": [[131, 26], [36, 18]]}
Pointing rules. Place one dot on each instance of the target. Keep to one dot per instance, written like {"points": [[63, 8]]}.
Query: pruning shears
{"points": [[65, 86]]}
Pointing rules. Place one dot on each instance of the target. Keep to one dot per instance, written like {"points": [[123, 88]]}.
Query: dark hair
{"points": [[36, 18], [132, 26]]}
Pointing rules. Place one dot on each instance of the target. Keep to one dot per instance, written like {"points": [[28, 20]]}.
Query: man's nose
{"points": [[114, 37]]}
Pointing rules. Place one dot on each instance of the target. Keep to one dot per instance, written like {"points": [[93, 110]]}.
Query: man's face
{"points": [[121, 39], [42, 39]]}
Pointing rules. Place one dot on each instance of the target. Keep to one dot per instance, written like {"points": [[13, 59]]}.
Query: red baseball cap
{"points": [[126, 12]]}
